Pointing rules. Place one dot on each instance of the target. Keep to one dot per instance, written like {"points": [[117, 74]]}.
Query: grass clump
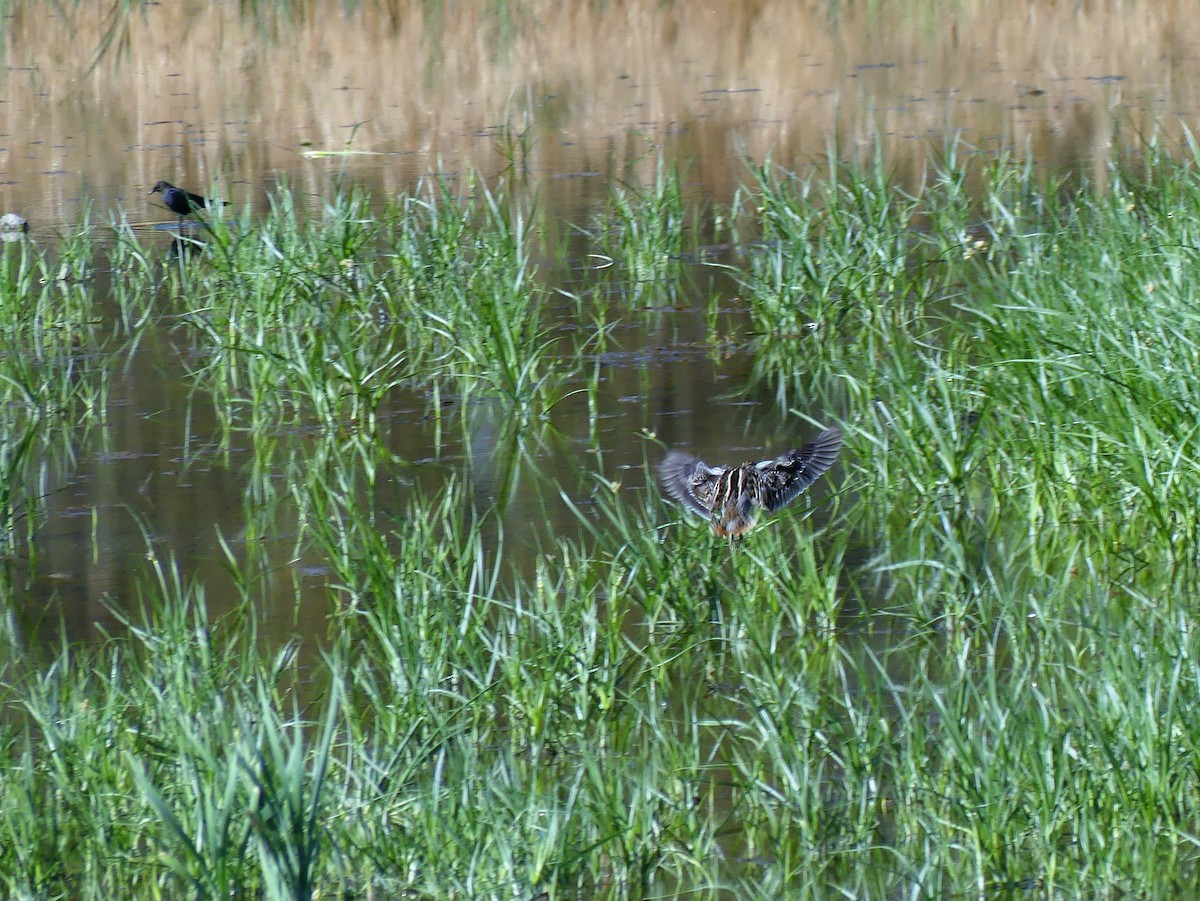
{"points": [[301, 322], [53, 379], [643, 234], [964, 671]]}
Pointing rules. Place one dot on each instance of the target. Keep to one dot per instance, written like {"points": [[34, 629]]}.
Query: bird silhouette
{"points": [[181, 202]]}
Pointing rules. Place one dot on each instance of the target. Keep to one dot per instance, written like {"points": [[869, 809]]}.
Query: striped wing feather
{"points": [[781, 480], [690, 481]]}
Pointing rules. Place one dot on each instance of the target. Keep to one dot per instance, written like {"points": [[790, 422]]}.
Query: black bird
{"points": [[727, 495], [182, 202]]}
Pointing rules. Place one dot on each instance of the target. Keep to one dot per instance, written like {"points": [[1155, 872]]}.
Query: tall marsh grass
{"points": [[966, 667], [52, 375]]}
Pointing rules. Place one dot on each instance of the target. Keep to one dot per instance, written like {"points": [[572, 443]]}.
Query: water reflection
{"points": [[98, 110], [398, 95], [182, 247]]}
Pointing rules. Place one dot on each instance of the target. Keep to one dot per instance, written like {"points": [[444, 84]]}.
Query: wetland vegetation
{"points": [[965, 665]]}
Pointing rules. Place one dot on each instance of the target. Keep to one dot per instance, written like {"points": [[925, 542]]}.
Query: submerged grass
{"points": [[52, 375], [971, 670]]}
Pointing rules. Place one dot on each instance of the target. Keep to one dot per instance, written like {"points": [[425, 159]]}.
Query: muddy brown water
{"points": [[98, 105]]}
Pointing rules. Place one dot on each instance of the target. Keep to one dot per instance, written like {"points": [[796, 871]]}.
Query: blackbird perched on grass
{"points": [[181, 202]]}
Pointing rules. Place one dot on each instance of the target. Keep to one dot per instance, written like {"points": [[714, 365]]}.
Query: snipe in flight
{"points": [[727, 495]]}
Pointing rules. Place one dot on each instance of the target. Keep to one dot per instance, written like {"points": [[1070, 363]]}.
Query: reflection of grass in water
{"points": [[603, 68], [969, 666]]}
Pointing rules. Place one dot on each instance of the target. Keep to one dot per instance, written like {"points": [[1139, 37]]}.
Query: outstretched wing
{"points": [[782, 479], [689, 481]]}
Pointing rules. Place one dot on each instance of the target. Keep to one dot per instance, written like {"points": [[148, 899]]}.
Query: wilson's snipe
{"points": [[727, 495]]}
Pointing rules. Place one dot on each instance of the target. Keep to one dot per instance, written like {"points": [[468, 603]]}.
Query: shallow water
{"points": [[98, 109], [569, 98]]}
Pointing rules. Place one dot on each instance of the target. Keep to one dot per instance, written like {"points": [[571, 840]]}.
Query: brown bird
{"points": [[728, 495]]}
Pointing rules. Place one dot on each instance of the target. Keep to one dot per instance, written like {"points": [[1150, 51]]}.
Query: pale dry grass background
{"points": [[195, 91]]}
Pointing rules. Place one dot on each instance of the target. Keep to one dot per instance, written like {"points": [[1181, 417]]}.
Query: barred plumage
{"points": [[726, 496]]}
